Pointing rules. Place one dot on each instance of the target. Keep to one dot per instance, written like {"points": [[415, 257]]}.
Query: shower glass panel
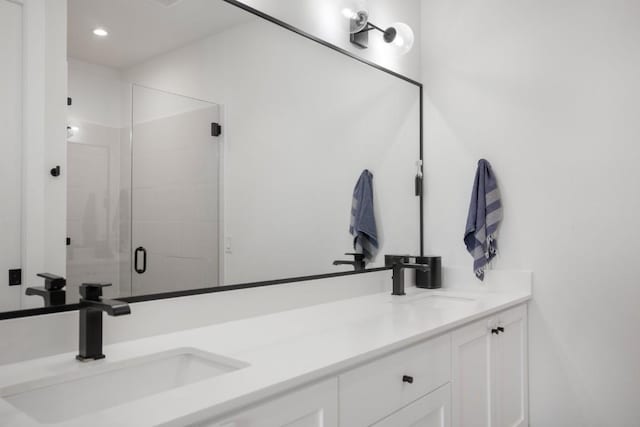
{"points": [[93, 209], [175, 193]]}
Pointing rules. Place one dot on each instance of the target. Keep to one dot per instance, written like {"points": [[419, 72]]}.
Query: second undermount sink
{"points": [[437, 301], [61, 398]]}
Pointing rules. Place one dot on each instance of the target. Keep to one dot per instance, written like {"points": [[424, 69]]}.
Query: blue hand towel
{"points": [[485, 215], [363, 220]]}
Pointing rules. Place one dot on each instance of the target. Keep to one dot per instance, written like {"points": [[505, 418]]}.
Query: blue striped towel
{"points": [[363, 220], [485, 215]]}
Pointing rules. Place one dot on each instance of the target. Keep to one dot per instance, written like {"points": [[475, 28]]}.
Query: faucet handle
{"points": [[92, 291], [391, 260], [356, 256], [52, 282]]}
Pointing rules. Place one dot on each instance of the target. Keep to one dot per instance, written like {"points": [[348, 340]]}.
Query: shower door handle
{"points": [[144, 260]]}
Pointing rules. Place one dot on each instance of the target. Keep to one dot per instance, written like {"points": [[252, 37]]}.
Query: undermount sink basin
{"points": [[96, 388]]}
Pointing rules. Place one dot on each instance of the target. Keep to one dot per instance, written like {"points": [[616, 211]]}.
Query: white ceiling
{"points": [[141, 29]]}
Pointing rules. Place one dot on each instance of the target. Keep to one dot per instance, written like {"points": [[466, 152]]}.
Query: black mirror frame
{"points": [[200, 291]]}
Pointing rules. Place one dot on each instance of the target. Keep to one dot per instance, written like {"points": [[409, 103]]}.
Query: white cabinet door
{"points": [[314, 406], [510, 379], [471, 375], [489, 372], [433, 410]]}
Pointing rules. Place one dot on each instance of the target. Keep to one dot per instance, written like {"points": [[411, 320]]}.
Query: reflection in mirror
{"points": [[207, 146], [10, 156], [175, 188]]}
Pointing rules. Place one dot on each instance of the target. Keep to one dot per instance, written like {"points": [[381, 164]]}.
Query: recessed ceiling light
{"points": [[168, 3], [100, 32]]}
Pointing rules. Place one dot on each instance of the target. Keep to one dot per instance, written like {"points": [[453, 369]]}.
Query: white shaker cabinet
{"points": [[433, 410], [374, 390], [312, 406], [472, 376], [511, 369], [489, 371]]}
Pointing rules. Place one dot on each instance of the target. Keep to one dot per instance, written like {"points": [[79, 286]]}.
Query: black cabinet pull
{"points": [[407, 379], [500, 329], [495, 331], [144, 260]]}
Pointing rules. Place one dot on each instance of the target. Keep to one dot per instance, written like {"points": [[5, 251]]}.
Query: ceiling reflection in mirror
{"points": [[208, 146]]}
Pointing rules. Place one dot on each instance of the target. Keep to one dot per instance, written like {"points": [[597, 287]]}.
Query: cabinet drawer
{"points": [[433, 410], [312, 406], [375, 390]]}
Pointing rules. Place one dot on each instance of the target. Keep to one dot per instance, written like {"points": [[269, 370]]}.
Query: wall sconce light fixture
{"points": [[399, 34]]}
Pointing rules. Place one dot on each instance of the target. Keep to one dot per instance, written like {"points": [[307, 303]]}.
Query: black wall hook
{"points": [[55, 171]]}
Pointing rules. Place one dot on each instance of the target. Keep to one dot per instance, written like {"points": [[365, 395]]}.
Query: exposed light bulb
{"points": [[404, 38], [349, 13], [100, 32], [72, 131]]}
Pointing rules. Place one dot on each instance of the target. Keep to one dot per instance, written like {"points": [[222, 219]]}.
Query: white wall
{"points": [[11, 30], [292, 156], [549, 93], [55, 209], [324, 19], [97, 93]]}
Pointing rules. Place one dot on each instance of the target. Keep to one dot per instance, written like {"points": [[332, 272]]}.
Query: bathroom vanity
{"points": [[430, 358], [204, 180]]}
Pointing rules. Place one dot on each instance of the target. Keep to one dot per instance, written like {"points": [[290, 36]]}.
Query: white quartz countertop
{"points": [[284, 350]]}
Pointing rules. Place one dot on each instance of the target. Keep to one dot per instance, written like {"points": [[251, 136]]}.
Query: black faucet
{"points": [[358, 262], [91, 307], [53, 291], [398, 264]]}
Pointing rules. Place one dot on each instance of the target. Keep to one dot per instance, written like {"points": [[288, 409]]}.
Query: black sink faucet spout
{"points": [[91, 307], [53, 291], [358, 262], [399, 263]]}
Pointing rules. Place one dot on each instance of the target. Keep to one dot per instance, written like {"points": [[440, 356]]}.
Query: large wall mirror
{"points": [[208, 146]]}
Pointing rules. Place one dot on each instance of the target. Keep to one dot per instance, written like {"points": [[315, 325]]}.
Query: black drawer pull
{"points": [[495, 331], [407, 379], [500, 329]]}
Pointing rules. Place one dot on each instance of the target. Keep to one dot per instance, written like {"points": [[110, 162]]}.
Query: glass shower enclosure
{"points": [[144, 200]]}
